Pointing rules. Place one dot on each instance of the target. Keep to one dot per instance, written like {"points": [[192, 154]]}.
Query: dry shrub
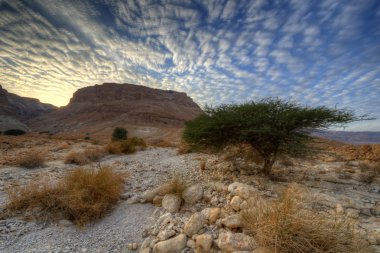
{"points": [[369, 172], [76, 158], [81, 196], [183, 148], [243, 151], [90, 154], [163, 143], [128, 146], [288, 225], [113, 148], [176, 185], [30, 160]]}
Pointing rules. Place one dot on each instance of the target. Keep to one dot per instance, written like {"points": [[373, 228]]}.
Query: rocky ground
{"points": [[204, 219]]}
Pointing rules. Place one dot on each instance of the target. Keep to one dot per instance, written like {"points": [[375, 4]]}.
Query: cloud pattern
{"points": [[322, 52]]}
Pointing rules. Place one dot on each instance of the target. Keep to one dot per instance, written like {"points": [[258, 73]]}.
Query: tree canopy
{"points": [[271, 126]]}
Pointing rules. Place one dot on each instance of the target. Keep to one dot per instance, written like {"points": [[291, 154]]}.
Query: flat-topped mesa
{"points": [[108, 105], [109, 92]]}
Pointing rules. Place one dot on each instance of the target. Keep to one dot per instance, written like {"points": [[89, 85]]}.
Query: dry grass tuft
{"points": [[183, 148], [91, 154], [30, 160], [176, 185], [129, 146], [82, 196], [287, 225]]}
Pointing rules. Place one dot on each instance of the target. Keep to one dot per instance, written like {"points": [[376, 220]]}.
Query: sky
{"points": [[322, 52]]}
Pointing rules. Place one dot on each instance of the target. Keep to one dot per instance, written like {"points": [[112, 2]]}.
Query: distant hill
{"points": [[350, 137], [98, 108], [15, 110]]}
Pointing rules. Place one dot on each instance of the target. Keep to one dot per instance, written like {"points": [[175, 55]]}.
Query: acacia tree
{"points": [[271, 126]]}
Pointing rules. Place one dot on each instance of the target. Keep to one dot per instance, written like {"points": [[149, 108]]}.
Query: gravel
{"points": [[124, 225]]}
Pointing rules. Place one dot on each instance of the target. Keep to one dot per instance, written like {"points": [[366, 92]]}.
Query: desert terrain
{"points": [[206, 216]]}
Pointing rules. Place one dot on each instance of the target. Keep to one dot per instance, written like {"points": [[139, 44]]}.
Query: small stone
{"points": [[195, 223], [232, 221], [203, 243], [65, 223], [173, 245], [133, 200], [148, 196], [235, 203], [339, 209], [171, 203], [230, 242], [190, 244], [193, 194], [212, 214]]}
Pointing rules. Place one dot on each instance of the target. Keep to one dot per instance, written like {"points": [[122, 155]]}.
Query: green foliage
{"points": [[119, 133], [271, 126], [14, 132]]}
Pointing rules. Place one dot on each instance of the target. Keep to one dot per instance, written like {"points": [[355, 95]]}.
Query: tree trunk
{"points": [[268, 163]]}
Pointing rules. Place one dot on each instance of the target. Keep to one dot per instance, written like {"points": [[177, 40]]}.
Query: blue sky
{"points": [[324, 52]]}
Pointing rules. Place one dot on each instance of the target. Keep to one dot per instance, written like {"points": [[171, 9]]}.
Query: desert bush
{"points": [[119, 134], [14, 132], [128, 146], [288, 225], [176, 185], [81, 196], [271, 126], [30, 160], [90, 154]]}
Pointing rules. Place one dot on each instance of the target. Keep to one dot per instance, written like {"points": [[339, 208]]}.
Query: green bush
{"points": [[119, 133], [14, 132], [271, 126]]}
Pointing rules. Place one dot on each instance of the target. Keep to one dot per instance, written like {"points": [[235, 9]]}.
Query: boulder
{"points": [[165, 234], [195, 223], [192, 194], [171, 203], [173, 245], [232, 221], [242, 190], [230, 242], [203, 243]]}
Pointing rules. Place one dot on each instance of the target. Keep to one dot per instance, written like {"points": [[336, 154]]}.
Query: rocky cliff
{"points": [[15, 109], [95, 108]]}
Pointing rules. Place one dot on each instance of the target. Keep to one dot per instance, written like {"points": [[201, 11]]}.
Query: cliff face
{"points": [[110, 104], [14, 110], [22, 108]]}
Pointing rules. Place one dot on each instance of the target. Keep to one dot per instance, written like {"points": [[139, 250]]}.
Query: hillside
{"points": [[15, 110], [97, 109], [350, 137]]}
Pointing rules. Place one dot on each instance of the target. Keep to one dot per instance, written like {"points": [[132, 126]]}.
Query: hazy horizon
{"points": [[313, 52]]}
